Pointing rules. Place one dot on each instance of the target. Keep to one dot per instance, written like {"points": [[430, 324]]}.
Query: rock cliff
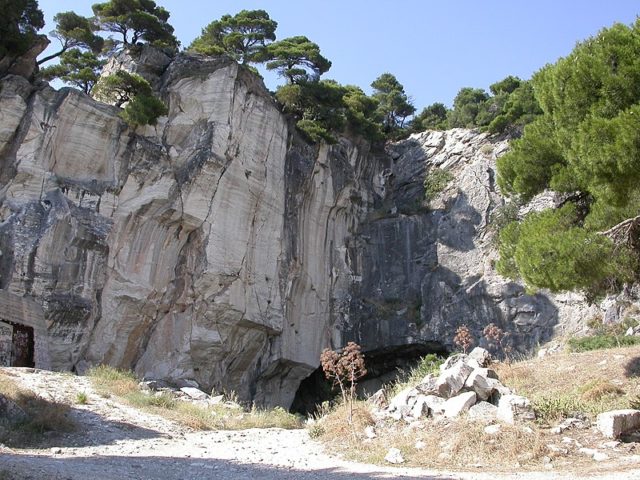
{"points": [[219, 246]]}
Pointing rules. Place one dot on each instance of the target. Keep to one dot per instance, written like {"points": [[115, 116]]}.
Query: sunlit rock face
{"points": [[220, 246]]}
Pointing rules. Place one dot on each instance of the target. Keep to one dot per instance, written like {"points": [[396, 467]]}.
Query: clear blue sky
{"points": [[433, 47]]}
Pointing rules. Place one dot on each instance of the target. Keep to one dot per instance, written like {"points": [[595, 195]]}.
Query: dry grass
{"points": [[569, 383], [559, 386], [434, 444], [109, 381], [42, 416]]}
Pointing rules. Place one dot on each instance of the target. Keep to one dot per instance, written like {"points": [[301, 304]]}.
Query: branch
{"points": [[613, 230]]}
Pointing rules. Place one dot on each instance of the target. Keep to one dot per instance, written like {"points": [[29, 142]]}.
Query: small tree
{"points": [[72, 31], [142, 106], [345, 369], [141, 19], [298, 59], [244, 36], [393, 104], [80, 69], [463, 338]]}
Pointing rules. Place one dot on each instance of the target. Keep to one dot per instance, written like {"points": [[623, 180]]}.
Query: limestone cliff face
{"points": [[218, 246], [209, 247]]}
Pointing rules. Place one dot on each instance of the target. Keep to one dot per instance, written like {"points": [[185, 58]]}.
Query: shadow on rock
{"points": [[632, 368]]}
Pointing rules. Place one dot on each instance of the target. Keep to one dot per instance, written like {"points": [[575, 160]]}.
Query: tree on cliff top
{"points": [[298, 59], [244, 36], [73, 30], [140, 18], [78, 68], [394, 105], [142, 106], [19, 25]]}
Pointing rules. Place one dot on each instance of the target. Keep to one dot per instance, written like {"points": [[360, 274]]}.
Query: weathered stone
{"points": [[479, 382], [459, 404], [394, 456], [435, 405], [420, 408], [615, 423], [492, 429], [451, 380], [480, 355], [428, 385], [194, 393], [513, 408], [11, 411], [483, 411]]}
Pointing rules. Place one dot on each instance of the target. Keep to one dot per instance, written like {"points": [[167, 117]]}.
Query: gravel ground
{"points": [[118, 442]]}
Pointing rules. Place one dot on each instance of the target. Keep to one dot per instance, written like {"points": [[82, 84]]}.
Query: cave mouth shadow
{"points": [[384, 366]]}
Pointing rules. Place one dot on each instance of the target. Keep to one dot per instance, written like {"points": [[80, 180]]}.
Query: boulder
{"points": [[459, 404], [406, 398], [484, 412], [394, 456], [512, 408], [435, 404], [451, 380], [615, 423], [479, 382], [194, 393], [480, 355], [420, 408], [429, 385]]}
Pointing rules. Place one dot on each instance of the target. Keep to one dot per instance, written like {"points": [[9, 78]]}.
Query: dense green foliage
{"points": [[19, 25], [298, 59], [244, 36], [393, 104], [143, 19], [78, 68], [142, 106], [587, 140], [433, 117], [325, 108], [72, 31]]}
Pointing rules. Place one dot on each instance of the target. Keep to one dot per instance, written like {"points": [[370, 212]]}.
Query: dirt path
{"points": [[119, 442]]}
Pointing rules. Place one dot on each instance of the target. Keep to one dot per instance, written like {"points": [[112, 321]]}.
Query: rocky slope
{"points": [[219, 246]]}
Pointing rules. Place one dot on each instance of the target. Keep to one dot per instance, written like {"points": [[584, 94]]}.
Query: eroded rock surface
{"points": [[218, 246]]}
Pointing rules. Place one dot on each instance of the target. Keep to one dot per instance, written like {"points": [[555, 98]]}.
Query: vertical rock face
{"points": [[218, 246], [424, 268], [210, 246]]}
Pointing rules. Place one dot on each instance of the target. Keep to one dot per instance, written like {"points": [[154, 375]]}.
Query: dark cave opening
{"points": [[383, 367]]}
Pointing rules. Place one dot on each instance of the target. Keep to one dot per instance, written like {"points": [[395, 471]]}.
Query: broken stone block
{"points": [[194, 393], [484, 412], [512, 408], [394, 456], [480, 355], [478, 382], [451, 381], [435, 404], [615, 423], [459, 404]]}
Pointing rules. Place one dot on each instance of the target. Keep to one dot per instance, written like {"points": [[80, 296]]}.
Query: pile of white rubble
{"points": [[465, 385]]}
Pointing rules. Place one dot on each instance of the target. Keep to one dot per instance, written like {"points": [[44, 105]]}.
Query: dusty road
{"points": [[119, 442]]}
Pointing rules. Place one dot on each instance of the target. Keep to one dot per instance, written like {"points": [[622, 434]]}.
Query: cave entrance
{"points": [[16, 345], [383, 367]]}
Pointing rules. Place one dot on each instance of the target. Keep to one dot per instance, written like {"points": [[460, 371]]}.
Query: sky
{"points": [[434, 48]]}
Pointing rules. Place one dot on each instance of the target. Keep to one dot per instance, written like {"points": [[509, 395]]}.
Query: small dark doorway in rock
{"points": [[22, 354]]}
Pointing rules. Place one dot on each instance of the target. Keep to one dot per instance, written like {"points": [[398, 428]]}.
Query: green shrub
{"points": [[601, 341], [82, 398], [435, 181]]}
